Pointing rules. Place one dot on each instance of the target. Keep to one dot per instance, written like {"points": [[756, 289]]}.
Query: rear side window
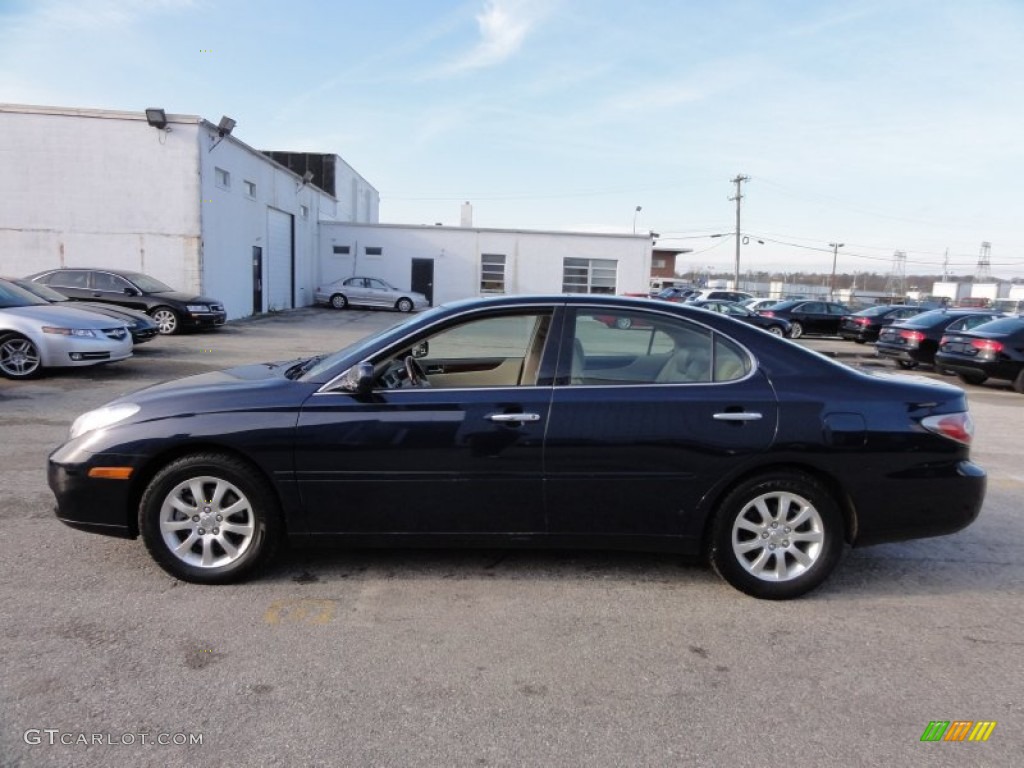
{"points": [[69, 278], [1005, 325]]}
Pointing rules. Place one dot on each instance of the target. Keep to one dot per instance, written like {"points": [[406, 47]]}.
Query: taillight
{"points": [[912, 336], [767, 313], [955, 426], [943, 341], [987, 345], [861, 321]]}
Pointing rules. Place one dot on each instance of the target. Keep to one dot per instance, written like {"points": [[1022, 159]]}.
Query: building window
{"points": [[341, 250], [588, 275], [222, 178], [250, 189], [659, 264], [374, 251], [492, 273], [304, 211]]}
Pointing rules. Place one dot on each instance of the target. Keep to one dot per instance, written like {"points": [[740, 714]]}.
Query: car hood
{"points": [[66, 317], [187, 298], [111, 310]]}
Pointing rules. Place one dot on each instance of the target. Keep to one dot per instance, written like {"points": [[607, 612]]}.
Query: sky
{"points": [[888, 125]]}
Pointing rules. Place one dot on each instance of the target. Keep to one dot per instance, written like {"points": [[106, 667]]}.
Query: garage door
{"points": [[279, 260]]}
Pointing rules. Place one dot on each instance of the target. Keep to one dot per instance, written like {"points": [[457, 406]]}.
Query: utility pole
{"points": [[739, 196], [832, 283]]}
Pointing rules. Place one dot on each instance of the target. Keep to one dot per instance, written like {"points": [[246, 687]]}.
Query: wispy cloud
{"points": [[503, 26]]}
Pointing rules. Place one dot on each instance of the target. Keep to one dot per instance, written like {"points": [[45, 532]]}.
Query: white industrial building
{"points": [[174, 196], [446, 263], [184, 200]]}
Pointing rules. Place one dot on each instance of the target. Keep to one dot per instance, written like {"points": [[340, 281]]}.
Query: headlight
{"points": [[197, 308], [80, 332], [102, 417]]}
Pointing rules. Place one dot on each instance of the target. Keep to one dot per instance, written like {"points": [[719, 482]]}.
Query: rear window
{"points": [[1005, 325]]}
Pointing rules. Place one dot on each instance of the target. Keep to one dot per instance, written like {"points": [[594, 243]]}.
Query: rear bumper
{"points": [[938, 500]]}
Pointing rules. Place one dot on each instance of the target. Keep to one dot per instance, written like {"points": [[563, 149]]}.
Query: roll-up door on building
{"points": [[280, 263]]}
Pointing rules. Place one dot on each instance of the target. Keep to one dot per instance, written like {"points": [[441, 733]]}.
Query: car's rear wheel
{"points": [[796, 330], [338, 301], [777, 536], [166, 320], [404, 305], [972, 378], [210, 519], [19, 357], [1018, 383], [906, 364], [776, 330], [623, 323]]}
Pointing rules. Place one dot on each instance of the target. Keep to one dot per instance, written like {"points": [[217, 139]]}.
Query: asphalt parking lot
{"points": [[488, 658]]}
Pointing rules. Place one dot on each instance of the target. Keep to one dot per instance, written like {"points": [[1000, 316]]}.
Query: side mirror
{"points": [[131, 292], [358, 379], [420, 350]]}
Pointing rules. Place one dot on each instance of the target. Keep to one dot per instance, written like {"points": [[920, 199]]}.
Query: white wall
{"points": [[90, 188], [533, 259], [358, 200], [234, 222]]}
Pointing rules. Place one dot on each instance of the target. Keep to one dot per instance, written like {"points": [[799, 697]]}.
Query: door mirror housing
{"points": [[420, 349], [358, 379]]}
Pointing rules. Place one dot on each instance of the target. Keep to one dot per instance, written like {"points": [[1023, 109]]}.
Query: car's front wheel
{"points": [[210, 519], [404, 305], [906, 364], [776, 330], [796, 330], [19, 357], [777, 536], [623, 323], [338, 301], [166, 320]]}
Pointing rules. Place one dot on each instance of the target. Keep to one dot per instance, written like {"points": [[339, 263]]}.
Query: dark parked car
{"points": [[809, 317], [992, 350], [775, 325], [675, 293], [914, 341], [141, 325], [865, 325], [172, 310], [525, 420]]}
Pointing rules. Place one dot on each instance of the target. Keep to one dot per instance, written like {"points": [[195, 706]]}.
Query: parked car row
{"points": [[97, 316]]}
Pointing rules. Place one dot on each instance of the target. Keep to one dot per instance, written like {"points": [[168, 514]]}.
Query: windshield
{"points": [[13, 296], [146, 283], [881, 309], [40, 290]]}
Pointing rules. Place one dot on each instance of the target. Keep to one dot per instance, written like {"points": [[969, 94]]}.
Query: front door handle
{"points": [[506, 418], [742, 416]]}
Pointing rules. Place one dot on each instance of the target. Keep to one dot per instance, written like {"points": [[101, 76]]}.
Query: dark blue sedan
{"points": [[529, 421]]}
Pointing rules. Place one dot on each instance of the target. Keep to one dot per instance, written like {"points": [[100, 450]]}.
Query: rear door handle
{"points": [[744, 416], [506, 418]]}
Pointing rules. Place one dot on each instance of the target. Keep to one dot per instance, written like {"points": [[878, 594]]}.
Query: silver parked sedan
{"points": [[35, 335], [368, 292]]}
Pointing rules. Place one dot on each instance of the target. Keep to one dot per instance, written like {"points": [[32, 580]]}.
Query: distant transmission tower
{"points": [[984, 273], [896, 285]]}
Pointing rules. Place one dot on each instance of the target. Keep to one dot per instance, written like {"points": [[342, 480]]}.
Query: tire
{"points": [[19, 357], [796, 330], [775, 330], [404, 305], [860, 341], [1018, 383], [623, 323], [170, 518], [972, 378], [338, 301], [906, 364], [754, 550], [166, 320]]}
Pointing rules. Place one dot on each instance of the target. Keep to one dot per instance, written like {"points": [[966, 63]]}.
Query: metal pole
{"points": [[832, 283], [736, 271]]}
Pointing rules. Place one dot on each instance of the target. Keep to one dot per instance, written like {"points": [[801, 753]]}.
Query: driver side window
{"points": [[493, 351]]}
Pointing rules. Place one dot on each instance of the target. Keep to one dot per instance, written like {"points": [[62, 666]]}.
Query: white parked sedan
{"points": [[35, 335], [368, 292]]}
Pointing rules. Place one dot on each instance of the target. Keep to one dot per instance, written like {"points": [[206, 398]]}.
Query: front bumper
{"points": [[92, 504], [196, 320], [71, 351]]}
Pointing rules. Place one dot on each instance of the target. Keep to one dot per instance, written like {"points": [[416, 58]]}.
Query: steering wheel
{"points": [[417, 377]]}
